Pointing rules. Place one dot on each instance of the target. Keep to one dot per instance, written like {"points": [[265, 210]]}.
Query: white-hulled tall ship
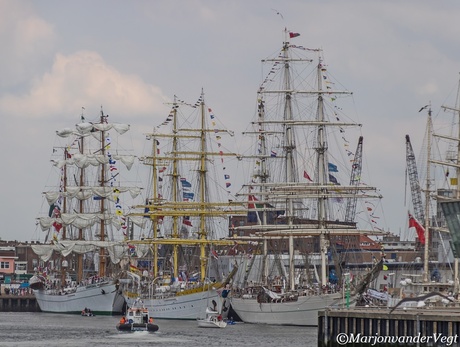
{"points": [[298, 205], [188, 210], [84, 225]]}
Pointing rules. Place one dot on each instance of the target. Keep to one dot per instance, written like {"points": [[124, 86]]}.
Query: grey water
{"points": [[46, 329]]}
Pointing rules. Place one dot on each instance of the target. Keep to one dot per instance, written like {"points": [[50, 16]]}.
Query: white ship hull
{"points": [[186, 307], [102, 299], [303, 312]]}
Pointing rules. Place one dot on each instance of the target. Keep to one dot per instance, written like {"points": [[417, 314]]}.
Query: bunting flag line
{"points": [[219, 144], [116, 192]]}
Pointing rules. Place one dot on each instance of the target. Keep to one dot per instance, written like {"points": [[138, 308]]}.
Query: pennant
{"points": [[214, 254], [414, 223], [292, 35], [186, 221], [305, 175]]}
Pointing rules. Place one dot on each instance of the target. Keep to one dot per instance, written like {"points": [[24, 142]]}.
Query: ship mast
{"points": [[177, 208], [103, 180], [80, 273], [64, 209], [427, 200], [290, 160], [321, 167]]}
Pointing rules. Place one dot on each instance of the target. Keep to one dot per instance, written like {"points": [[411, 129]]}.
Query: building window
{"points": [[21, 266], [4, 265]]}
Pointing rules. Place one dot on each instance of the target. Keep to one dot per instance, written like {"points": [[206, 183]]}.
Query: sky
{"points": [[133, 56]]}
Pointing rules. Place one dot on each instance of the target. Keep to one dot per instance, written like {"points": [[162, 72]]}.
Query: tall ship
{"points": [[84, 223], [306, 196], [188, 205]]}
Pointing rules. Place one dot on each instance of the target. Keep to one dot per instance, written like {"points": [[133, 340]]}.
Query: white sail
{"points": [[85, 223]]}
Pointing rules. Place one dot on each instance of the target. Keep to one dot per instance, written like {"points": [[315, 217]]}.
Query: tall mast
{"points": [[290, 161], [175, 193], [80, 274], [427, 199], [64, 209], [322, 180], [155, 198], [102, 270], [263, 175], [202, 186]]}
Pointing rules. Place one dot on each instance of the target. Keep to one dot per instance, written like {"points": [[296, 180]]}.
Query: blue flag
{"points": [[332, 168]]}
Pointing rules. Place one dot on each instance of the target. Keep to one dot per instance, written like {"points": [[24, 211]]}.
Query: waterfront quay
{"points": [[18, 303], [434, 326]]}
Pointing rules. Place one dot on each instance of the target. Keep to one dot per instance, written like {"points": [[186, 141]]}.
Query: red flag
{"points": [[186, 220], [252, 198], [414, 223], [291, 35], [306, 176]]}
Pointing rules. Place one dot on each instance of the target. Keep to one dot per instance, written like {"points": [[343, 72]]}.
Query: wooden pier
{"points": [[18, 303], [378, 327]]}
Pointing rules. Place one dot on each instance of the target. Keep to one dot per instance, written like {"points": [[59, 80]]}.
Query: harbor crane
{"points": [[414, 183]]}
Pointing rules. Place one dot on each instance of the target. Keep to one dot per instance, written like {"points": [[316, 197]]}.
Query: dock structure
{"points": [[434, 326], [18, 303]]}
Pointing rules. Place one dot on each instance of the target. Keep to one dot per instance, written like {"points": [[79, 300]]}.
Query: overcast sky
{"points": [[133, 56]]}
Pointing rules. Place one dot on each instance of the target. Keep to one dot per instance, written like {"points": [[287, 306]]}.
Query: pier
{"points": [[18, 303], [378, 327]]}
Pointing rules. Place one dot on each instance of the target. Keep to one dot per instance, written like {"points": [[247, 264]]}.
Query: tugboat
{"points": [[137, 319]]}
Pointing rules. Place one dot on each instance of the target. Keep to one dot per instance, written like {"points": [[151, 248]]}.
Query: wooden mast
{"points": [[102, 260]]}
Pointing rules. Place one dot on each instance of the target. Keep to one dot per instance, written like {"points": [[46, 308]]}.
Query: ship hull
{"points": [[102, 299], [183, 307], [303, 312]]}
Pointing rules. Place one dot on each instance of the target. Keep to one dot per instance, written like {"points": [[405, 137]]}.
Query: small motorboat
{"points": [[137, 319], [213, 319]]}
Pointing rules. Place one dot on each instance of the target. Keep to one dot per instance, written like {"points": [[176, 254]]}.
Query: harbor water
{"points": [[45, 329]]}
